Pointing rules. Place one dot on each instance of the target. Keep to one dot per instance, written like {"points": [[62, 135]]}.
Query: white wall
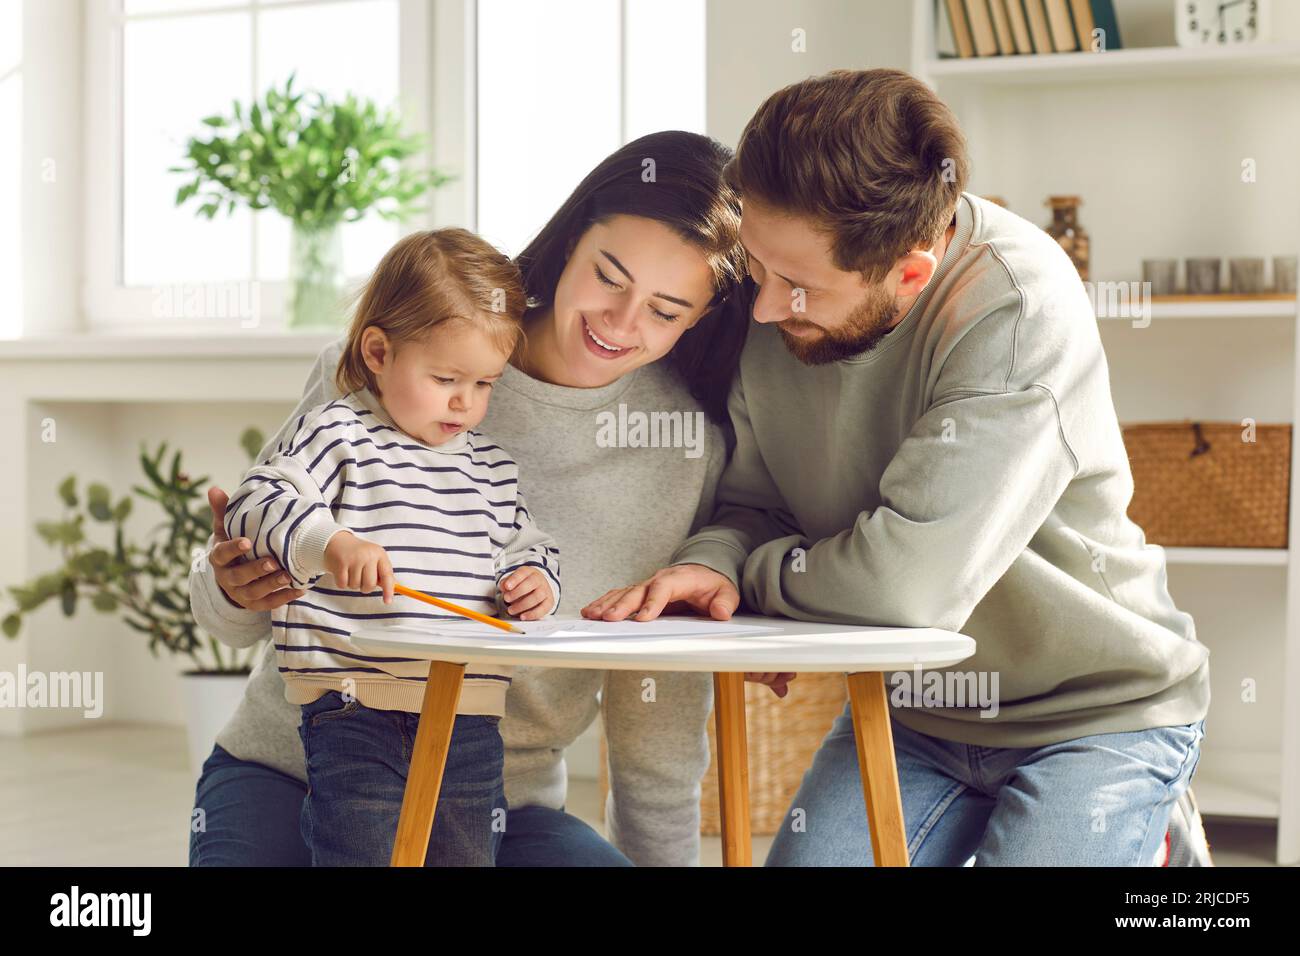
{"points": [[1158, 164], [750, 55], [51, 169]]}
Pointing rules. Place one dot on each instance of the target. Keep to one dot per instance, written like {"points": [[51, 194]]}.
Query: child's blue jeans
{"points": [[357, 763], [1100, 800]]}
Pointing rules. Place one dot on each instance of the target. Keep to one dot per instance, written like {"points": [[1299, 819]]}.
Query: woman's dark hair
{"points": [[675, 178]]}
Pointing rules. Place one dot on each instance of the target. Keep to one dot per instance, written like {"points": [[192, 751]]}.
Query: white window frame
{"points": [[14, 302], [433, 37], [470, 68]]}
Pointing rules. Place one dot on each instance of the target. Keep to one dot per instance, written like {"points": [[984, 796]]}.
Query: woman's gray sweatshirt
{"points": [[620, 476]]}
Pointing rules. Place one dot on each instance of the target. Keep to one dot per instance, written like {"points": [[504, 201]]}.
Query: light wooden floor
{"points": [[121, 794]]}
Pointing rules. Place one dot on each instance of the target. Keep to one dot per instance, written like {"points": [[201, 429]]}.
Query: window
{"points": [[156, 68], [527, 95], [562, 84], [11, 119]]}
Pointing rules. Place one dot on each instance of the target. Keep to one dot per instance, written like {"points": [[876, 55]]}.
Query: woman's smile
{"points": [[602, 347]]}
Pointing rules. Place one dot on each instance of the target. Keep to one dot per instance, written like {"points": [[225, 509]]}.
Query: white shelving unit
{"points": [[1014, 98], [1267, 557], [1137, 64], [1227, 309]]}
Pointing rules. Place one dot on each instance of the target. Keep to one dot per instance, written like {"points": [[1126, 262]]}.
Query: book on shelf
{"points": [[1019, 26], [981, 27], [1038, 28], [1062, 26], [1007, 27], [1104, 19], [1002, 26], [958, 29], [1081, 10]]}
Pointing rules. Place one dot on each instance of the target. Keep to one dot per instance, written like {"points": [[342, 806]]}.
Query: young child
{"points": [[391, 481]]}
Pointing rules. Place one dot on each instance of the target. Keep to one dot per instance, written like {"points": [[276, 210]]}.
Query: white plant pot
{"points": [[210, 700]]}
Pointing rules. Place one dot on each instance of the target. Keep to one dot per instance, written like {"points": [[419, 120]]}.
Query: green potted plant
{"points": [[319, 163], [146, 584]]}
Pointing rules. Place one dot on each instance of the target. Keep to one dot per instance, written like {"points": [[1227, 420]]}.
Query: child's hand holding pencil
{"points": [[359, 565], [362, 566]]}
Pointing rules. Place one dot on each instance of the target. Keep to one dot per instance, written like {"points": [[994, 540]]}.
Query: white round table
{"points": [[678, 644]]}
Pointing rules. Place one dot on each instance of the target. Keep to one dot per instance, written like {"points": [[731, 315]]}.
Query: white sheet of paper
{"points": [[582, 627]]}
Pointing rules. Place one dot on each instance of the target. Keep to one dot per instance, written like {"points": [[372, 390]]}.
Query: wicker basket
{"points": [[1199, 484], [783, 735]]}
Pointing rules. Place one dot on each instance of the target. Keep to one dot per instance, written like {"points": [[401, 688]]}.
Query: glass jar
{"points": [[1065, 229]]}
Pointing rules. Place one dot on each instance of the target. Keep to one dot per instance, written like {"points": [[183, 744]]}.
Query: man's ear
{"points": [[914, 271], [374, 346]]}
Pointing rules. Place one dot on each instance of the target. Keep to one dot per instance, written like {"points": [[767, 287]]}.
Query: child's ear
{"points": [[374, 347]]}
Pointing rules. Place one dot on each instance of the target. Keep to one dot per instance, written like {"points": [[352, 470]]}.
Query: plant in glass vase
{"points": [[318, 162]]}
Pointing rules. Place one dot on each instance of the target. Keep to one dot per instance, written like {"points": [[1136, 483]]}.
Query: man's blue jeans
{"points": [[1101, 800]]}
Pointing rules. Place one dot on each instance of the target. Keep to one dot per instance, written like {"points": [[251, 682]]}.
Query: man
{"points": [[926, 438]]}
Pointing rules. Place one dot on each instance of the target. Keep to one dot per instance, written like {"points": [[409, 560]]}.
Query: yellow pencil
{"points": [[456, 608]]}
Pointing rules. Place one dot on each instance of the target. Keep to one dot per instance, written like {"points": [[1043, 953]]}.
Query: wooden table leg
{"points": [[878, 768], [733, 768], [428, 759]]}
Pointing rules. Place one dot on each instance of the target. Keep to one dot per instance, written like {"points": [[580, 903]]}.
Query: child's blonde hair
{"points": [[428, 278]]}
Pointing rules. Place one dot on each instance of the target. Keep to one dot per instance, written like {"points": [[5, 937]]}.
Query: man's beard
{"points": [[865, 326]]}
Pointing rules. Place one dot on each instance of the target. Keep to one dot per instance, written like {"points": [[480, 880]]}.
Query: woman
{"points": [[641, 263]]}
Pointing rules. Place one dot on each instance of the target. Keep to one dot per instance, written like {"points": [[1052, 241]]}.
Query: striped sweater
{"points": [[450, 517]]}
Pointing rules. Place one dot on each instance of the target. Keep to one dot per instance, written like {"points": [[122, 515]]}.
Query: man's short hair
{"points": [[874, 157]]}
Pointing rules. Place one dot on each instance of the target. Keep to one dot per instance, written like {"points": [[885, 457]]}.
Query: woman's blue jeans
{"points": [[252, 814], [1100, 800]]}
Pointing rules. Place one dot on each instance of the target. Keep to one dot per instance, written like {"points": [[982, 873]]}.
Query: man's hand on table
{"points": [[254, 585], [679, 589]]}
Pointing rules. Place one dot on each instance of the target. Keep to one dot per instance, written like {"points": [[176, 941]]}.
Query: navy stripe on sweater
{"points": [[375, 670], [426, 469]]}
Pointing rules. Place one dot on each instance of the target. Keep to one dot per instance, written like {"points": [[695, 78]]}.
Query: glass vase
{"points": [[315, 277]]}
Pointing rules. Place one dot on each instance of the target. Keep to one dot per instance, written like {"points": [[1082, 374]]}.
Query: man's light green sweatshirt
{"points": [[966, 473]]}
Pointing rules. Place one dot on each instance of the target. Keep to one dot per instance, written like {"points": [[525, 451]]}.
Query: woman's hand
{"points": [[682, 587], [527, 595], [259, 585]]}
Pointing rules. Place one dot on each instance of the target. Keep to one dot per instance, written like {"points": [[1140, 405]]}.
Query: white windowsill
{"points": [[172, 345]]}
